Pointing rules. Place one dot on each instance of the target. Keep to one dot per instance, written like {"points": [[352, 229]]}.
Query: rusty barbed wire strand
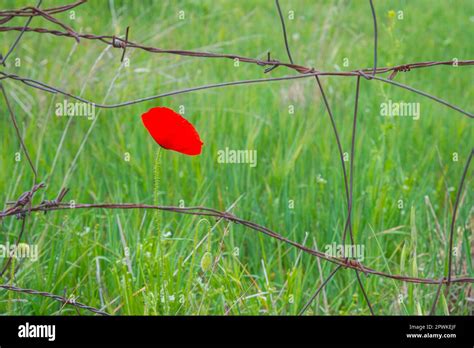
{"points": [[24, 200], [203, 211], [349, 209], [108, 39], [374, 18], [344, 172], [15, 43], [435, 302], [66, 301], [50, 89], [17, 130], [451, 235], [455, 211], [124, 44], [336, 133], [28, 12], [323, 284], [112, 40], [349, 198], [364, 293], [284, 31], [351, 160], [439, 100], [10, 256], [340, 152]]}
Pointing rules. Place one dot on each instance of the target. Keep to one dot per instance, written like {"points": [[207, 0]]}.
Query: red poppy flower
{"points": [[172, 131]]}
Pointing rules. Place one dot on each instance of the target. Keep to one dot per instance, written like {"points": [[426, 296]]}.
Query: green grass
{"points": [[82, 252]]}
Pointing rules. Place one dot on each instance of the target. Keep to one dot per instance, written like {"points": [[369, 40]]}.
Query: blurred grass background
{"points": [[82, 253]]}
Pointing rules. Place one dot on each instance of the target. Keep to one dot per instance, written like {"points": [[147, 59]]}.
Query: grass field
{"points": [[405, 181]]}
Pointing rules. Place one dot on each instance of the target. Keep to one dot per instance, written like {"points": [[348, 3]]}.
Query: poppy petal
{"points": [[172, 131]]}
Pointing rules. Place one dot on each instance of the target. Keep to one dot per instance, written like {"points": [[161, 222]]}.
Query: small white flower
{"points": [[321, 180]]}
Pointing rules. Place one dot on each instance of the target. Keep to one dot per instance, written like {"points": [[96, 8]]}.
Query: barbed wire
{"points": [[210, 212], [305, 71], [32, 11], [23, 207]]}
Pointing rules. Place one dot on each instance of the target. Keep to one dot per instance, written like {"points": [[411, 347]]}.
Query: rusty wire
{"points": [[65, 300], [22, 207], [304, 71], [205, 211], [31, 12]]}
